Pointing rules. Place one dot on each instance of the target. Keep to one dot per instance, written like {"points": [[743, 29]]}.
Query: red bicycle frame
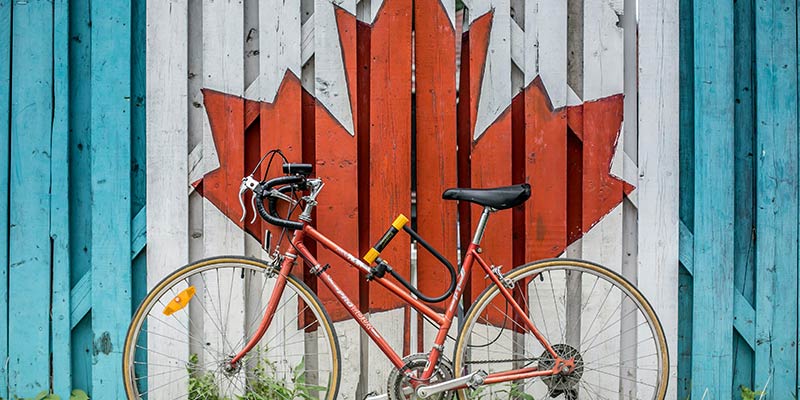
{"points": [[443, 321]]}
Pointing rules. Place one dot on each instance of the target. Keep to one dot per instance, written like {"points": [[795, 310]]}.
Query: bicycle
{"points": [[185, 342]]}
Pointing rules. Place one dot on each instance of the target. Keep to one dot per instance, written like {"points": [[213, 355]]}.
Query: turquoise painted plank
{"points": [[61, 328], [5, 131], [776, 200], [686, 200], [139, 232], [29, 224], [685, 305], [80, 111], [138, 104], [82, 348], [686, 247], [744, 241], [686, 75], [80, 299], [744, 314], [111, 191], [712, 358]]}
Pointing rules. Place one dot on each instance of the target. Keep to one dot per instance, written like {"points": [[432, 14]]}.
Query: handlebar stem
{"points": [[311, 200]]}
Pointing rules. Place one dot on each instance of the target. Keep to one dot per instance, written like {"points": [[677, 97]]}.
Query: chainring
{"points": [[399, 385]]}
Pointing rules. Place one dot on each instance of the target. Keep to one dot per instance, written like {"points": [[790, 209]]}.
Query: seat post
{"points": [[482, 225]]}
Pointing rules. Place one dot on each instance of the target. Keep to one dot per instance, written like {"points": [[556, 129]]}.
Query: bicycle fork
{"points": [[272, 305]]}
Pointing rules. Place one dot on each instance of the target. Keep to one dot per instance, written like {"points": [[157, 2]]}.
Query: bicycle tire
{"points": [[540, 267], [182, 274]]}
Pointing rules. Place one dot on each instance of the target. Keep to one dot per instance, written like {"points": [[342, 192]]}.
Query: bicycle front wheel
{"points": [[585, 312], [193, 322]]}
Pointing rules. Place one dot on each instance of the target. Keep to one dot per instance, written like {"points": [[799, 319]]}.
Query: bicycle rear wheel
{"points": [[195, 320], [584, 311]]}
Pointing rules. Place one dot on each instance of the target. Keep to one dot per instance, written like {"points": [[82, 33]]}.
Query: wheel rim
{"points": [[184, 355], [617, 336]]}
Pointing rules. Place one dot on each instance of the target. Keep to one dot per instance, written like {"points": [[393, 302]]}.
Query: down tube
{"points": [[362, 320]]}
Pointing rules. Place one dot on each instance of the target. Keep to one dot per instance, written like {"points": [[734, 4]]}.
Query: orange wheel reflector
{"points": [[180, 301]]}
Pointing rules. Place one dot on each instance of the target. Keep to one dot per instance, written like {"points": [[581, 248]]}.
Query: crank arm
{"points": [[472, 380]]}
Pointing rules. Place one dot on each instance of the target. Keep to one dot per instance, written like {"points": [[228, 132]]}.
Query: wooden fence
{"points": [[370, 92], [71, 192], [739, 199]]}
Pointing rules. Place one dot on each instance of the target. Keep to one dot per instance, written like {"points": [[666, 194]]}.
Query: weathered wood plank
{"points": [[546, 128], [686, 198], [658, 165], [389, 160], [335, 145], [5, 111], [776, 179], [744, 163], [435, 62], [59, 207], [223, 70], [138, 232], [490, 129], [80, 109], [5, 159], [744, 320], [111, 179], [602, 145], [167, 151], [712, 361], [80, 299], [29, 212]]}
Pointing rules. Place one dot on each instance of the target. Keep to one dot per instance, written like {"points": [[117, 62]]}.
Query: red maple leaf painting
{"points": [[564, 152]]}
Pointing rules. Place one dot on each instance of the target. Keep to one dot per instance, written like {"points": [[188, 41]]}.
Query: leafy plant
{"points": [[201, 384], [45, 395], [749, 394], [266, 383]]}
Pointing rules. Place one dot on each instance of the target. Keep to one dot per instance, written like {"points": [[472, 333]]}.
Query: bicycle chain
{"points": [[504, 361]]}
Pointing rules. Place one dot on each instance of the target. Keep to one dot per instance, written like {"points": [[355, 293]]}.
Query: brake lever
{"points": [[248, 182], [255, 212], [242, 190]]}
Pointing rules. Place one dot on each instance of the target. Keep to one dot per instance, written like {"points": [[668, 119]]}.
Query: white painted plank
{"points": [[603, 75], [330, 82], [496, 88], [602, 49], [658, 166], [546, 47], [168, 214], [279, 43], [223, 70]]}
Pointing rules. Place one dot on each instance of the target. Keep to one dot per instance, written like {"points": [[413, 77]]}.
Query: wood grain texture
{"points": [[545, 154], [776, 178], [686, 197], [491, 153], [712, 360], [335, 148], [435, 63], [5, 159], [167, 141], [29, 207], [658, 165], [389, 162], [59, 207], [744, 224], [223, 82], [111, 180]]}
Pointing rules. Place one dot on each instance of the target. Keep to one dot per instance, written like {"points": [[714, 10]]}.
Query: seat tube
{"points": [[479, 230]]}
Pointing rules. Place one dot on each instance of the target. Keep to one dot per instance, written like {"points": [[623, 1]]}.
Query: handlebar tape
{"points": [[271, 217]]}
